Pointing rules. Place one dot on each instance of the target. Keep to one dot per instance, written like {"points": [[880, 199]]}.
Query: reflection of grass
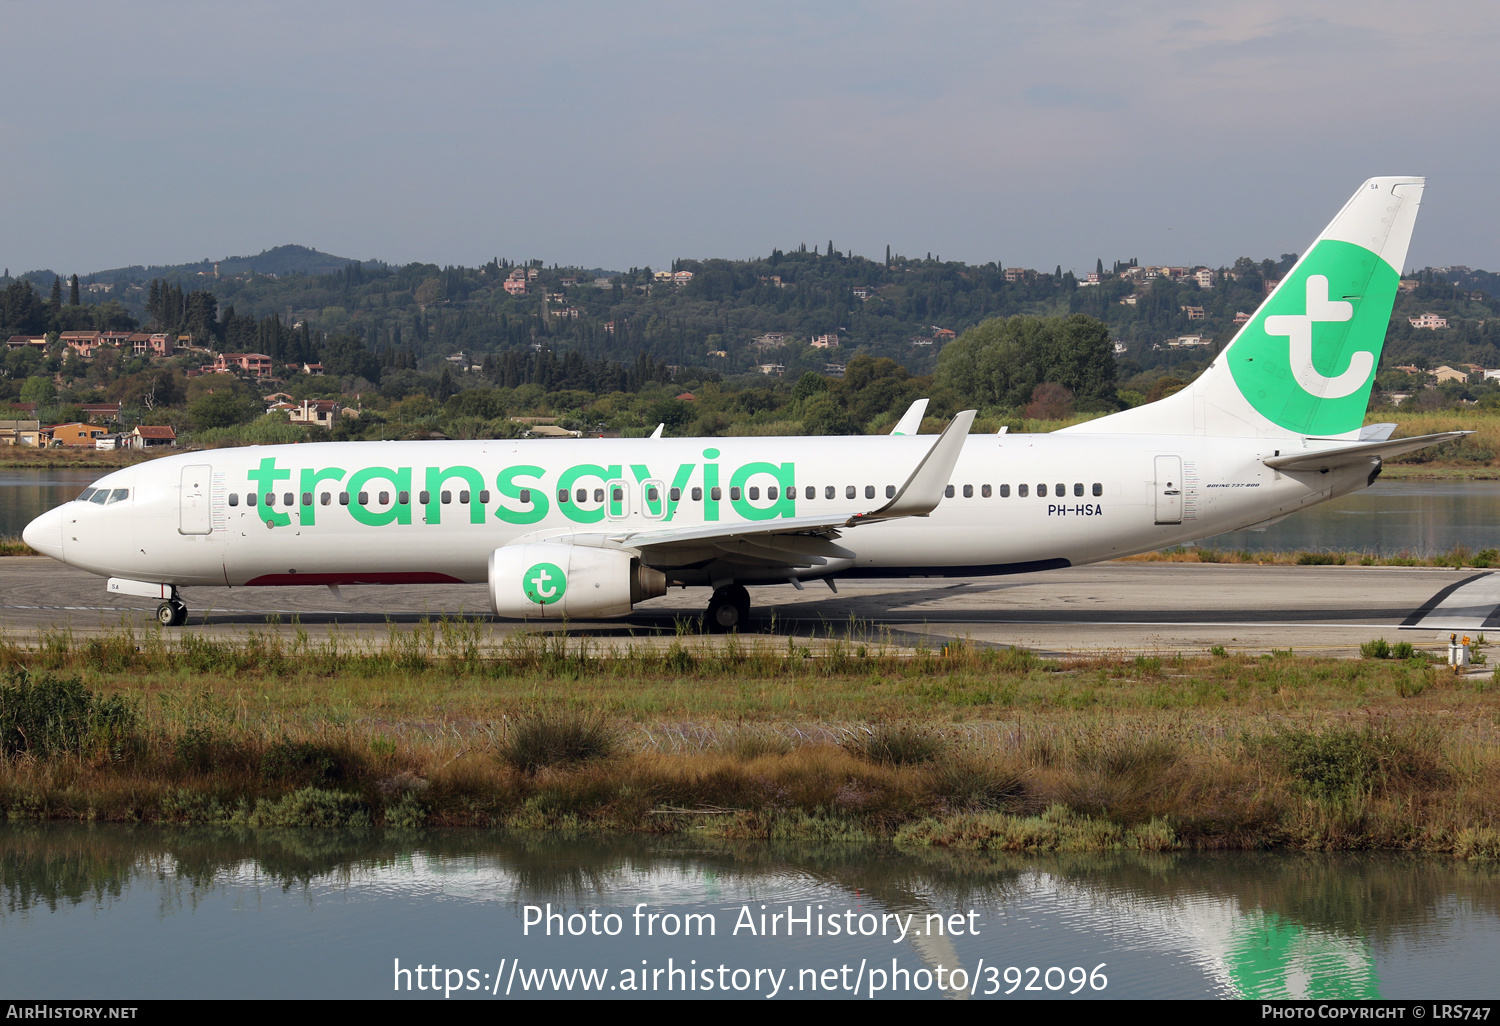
{"points": [[966, 746]]}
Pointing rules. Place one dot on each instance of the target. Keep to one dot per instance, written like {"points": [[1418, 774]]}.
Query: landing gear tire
{"points": [[171, 614], [728, 610]]}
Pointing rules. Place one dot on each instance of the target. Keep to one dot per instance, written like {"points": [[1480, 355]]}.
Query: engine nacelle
{"points": [[551, 581]]}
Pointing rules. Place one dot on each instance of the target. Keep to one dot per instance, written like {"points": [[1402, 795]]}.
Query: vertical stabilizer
{"points": [[1305, 363]]}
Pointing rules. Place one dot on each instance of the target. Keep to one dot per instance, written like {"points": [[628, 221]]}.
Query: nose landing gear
{"points": [[172, 613], [728, 610]]}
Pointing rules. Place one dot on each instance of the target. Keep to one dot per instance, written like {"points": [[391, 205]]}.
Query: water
{"points": [[115, 911], [27, 494], [1424, 517]]}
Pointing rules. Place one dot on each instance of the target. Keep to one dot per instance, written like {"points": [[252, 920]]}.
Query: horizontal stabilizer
{"points": [[1364, 452]]}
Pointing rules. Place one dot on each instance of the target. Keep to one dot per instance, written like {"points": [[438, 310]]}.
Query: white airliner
{"points": [[589, 527]]}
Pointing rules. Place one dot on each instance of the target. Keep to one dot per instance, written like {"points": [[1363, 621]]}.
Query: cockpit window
{"points": [[100, 496], [86, 494], [119, 495]]}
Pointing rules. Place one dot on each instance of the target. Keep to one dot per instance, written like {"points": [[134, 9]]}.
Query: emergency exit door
{"points": [[196, 512], [1169, 489]]}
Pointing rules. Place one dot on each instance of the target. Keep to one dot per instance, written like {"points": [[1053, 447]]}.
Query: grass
{"points": [[966, 747]]}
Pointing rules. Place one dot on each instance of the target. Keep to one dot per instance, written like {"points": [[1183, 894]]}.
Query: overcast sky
{"points": [[617, 134]]}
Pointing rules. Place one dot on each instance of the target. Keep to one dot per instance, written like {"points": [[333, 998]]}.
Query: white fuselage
{"points": [[1019, 502]]}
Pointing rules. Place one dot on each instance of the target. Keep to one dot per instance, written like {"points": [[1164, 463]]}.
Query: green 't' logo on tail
{"points": [[544, 583], [1307, 359]]}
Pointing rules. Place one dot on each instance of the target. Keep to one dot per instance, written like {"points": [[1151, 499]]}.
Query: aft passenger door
{"points": [[195, 509], [1169, 489]]}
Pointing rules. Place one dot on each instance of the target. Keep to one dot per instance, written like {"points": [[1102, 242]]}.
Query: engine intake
{"points": [[551, 581]]}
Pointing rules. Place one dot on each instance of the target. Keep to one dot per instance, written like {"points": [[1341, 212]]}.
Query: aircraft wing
{"points": [[796, 541], [1362, 452]]}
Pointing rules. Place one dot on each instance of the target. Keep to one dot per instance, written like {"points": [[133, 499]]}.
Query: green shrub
{"points": [[1320, 559], [47, 716], [1377, 649], [302, 762], [1341, 764], [544, 738], [896, 744], [1403, 650], [312, 807]]}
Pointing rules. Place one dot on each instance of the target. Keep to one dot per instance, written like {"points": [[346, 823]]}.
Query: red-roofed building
{"points": [[146, 436], [258, 364]]}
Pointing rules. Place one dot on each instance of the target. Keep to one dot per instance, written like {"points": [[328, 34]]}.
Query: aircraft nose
{"points": [[45, 533]]}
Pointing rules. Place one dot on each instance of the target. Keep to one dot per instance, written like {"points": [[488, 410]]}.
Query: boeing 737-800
{"points": [[590, 527]]}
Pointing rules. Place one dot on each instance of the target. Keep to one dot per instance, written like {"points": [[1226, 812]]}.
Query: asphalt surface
{"points": [[1109, 607]]}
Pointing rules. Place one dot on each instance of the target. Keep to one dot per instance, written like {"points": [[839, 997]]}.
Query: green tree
{"points": [[38, 390], [223, 409], [73, 299], [1000, 362]]}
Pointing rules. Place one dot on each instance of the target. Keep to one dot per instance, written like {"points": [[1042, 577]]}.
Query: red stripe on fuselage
{"points": [[377, 577]]}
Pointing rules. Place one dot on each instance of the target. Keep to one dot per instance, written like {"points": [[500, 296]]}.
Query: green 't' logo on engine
{"points": [[544, 583], [1307, 359]]}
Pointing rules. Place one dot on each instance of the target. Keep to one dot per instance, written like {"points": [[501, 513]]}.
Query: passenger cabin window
{"points": [[385, 498], [890, 491], [403, 497], [484, 496], [249, 498], [288, 499], [1078, 488], [984, 491], [675, 495], [343, 499], [270, 498], [1021, 491], [653, 494], [1005, 491], [326, 498], [754, 492], [697, 494], [423, 498], [525, 496], [234, 498], [1041, 491], [948, 492], [463, 497], [810, 492], [850, 492], [716, 494], [617, 495], [773, 491], [445, 497], [562, 495], [598, 494], [1098, 488], [829, 492], [734, 494], [968, 491], [1062, 491], [364, 498], [307, 498], [869, 491]]}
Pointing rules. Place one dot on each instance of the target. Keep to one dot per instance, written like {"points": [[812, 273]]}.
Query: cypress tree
{"points": [[73, 292]]}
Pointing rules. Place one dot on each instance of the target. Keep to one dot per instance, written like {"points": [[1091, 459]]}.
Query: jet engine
{"points": [[550, 581]]}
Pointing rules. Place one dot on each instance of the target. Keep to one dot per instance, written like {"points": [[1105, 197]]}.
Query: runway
{"points": [[1108, 607]]}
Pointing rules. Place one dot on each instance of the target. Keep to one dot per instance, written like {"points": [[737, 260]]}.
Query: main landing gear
{"points": [[728, 610], [171, 613]]}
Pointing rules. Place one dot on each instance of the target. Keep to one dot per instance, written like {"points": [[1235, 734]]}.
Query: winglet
{"points": [[911, 421], [923, 490], [658, 431]]}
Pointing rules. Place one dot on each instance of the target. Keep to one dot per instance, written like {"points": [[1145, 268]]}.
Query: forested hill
{"points": [[722, 317]]}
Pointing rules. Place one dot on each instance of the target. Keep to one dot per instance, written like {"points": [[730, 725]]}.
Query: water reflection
{"points": [[285, 901]]}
